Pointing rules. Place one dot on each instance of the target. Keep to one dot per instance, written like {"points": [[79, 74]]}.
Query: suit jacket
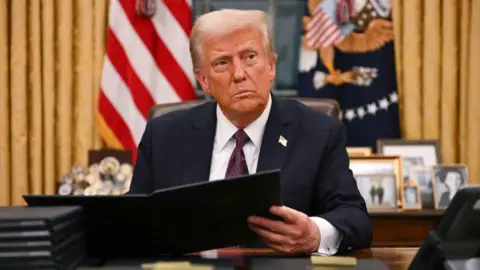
{"points": [[176, 149]]}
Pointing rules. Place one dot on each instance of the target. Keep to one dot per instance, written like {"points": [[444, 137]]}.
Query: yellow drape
{"points": [[51, 55], [438, 69]]}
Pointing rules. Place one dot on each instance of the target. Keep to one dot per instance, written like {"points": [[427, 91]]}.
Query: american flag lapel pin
{"points": [[282, 141]]}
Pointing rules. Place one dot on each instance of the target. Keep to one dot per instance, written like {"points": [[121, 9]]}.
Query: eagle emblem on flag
{"points": [[351, 26]]}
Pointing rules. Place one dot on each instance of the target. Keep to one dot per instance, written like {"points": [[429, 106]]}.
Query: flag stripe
{"points": [[174, 37], [318, 22], [117, 56], [163, 58], [321, 29], [325, 27], [115, 122], [142, 61], [177, 8], [331, 31], [334, 37], [117, 92]]}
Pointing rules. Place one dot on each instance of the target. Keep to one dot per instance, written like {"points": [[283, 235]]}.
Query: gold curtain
{"points": [[51, 55], [438, 70]]}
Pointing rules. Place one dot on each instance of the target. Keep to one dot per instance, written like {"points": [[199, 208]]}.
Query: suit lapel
{"points": [[200, 134], [198, 145], [274, 149]]}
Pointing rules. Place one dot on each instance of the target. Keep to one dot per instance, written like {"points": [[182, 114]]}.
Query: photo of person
{"points": [[448, 181], [411, 197], [409, 164], [379, 190], [423, 177]]}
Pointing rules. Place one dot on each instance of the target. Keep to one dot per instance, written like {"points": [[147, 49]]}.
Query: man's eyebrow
{"points": [[217, 56], [246, 47], [249, 47]]}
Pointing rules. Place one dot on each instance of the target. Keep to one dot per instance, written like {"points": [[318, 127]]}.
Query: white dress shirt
{"points": [[223, 147]]}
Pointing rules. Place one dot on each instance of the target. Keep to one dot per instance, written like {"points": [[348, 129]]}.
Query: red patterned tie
{"points": [[237, 164]]}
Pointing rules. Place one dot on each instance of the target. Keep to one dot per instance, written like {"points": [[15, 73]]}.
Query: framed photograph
{"points": [[378, 180], [423, 178], [359, 151], [448, 180], [415, 153], [411, 198]]}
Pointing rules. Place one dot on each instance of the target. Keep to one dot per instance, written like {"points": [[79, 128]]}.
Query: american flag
{"points": [[324, 30], [147, 62]]}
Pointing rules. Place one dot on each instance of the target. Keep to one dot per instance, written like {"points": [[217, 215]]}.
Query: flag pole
{"points": [[271, 15]]}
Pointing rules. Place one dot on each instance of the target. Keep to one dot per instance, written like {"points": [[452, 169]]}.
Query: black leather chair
{"points": [[327, 106]]}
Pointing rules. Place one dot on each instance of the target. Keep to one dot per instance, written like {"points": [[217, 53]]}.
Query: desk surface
{"points": [[394, 258]]}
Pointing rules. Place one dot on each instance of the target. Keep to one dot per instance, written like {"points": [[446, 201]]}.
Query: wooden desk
{"points": [[403, 228], [394, 258]]}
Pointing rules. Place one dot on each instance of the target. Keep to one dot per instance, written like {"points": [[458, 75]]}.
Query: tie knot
{"points": [[240, 137]]}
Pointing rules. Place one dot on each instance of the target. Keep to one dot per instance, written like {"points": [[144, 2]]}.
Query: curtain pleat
{"points": [[18, 100], [431, 51], [99, 42], [4, 105], [412, 66], [464, 73], [84, 88], [48, 86], [35, 106], [64, 84], [449, 80]]}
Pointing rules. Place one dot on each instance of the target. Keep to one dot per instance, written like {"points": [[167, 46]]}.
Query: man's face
{"points": [[453, 180], [237, 71]]}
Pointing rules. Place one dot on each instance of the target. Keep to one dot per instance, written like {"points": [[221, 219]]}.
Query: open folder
{"points": [[173, 221]]}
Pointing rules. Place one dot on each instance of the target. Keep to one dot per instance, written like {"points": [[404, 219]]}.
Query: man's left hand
{"points": [[296, 234]]}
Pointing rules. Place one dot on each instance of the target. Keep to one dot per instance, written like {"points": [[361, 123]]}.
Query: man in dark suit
{"points": [[248, 130]]}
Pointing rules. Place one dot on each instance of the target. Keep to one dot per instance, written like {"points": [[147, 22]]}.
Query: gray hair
{"points": [[226, 21]]}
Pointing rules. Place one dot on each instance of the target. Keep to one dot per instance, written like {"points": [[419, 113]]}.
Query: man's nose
{"points": [[238, 72]]}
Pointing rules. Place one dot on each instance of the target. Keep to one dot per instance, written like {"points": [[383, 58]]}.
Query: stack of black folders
{"points": [[41, 237], [174, 221]]}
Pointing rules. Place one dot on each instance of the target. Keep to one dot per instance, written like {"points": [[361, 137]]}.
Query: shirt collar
{"points": [[225, 128]]}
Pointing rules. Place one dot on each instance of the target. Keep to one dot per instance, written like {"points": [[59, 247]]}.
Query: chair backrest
{"points": [[327, 106]]}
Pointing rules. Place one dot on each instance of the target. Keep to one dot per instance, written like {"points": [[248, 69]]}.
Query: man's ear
{"points": [[272, 66], [202, 80]]}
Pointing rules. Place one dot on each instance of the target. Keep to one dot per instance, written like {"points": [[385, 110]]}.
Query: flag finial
{"points": [[146, 8]]}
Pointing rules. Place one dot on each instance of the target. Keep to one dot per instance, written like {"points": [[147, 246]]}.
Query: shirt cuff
{"points": [[330, 237]]}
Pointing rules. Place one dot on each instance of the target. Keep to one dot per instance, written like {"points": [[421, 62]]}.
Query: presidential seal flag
{"points": [[347, 54]]}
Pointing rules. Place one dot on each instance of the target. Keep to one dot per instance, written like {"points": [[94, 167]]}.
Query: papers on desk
{"points": [[175, 265], [333, 261]]}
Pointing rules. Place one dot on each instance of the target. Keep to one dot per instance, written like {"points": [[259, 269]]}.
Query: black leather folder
{"points": [[173, 221]]}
